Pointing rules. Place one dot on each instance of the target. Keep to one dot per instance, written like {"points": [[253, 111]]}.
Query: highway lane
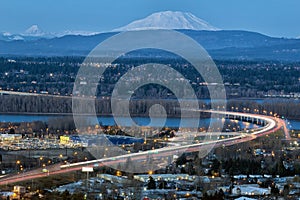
{"points": [[5, 92], [273, 124]]}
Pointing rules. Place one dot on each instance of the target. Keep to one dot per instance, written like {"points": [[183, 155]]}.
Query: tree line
{"points": [[63, 105]]}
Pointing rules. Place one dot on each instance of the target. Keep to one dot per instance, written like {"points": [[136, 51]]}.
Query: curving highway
{"points": [[272, 124]]}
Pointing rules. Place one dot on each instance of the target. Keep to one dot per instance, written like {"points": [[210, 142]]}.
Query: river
{"points": [[141, 121]]}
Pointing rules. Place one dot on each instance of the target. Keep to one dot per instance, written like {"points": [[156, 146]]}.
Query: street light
{"points": [[18, 162], [40, 160], [119, 173]]}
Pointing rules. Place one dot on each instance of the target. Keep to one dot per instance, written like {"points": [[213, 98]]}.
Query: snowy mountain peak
{"points": [[34, 30], [169, 20]]}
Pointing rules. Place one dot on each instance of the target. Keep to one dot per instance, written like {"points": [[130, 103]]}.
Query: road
{"points": [[273, 124], [5, 92]]}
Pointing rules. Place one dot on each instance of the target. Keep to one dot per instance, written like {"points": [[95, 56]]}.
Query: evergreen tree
{"points": [[151, 184]]}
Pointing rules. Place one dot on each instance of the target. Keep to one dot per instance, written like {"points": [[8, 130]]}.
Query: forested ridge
{"points": [[63, 105]]}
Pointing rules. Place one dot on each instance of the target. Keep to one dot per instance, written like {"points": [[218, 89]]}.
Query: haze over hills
{"points": [[220, 44]]}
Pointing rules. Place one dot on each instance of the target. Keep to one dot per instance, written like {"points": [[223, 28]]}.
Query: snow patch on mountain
{"points": [[83, 33], [169, 20], [6, 34], [17, 37]]}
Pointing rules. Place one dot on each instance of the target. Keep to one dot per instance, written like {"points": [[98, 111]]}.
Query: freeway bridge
{"points": [[269, 125]]}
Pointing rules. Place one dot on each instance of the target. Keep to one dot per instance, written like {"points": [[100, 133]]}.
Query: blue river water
{"points": [[104, 120], [141, 121]]}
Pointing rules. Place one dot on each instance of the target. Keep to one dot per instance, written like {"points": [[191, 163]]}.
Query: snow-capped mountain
{"points": [[169, 20], [32, 33], [34, 30], [159, 20], [6, 36]]}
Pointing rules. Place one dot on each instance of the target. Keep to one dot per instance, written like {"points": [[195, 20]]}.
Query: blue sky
{"points": [[272, 17]]}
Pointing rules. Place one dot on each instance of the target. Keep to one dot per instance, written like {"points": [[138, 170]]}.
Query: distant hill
{"points": [[220, 44]]}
